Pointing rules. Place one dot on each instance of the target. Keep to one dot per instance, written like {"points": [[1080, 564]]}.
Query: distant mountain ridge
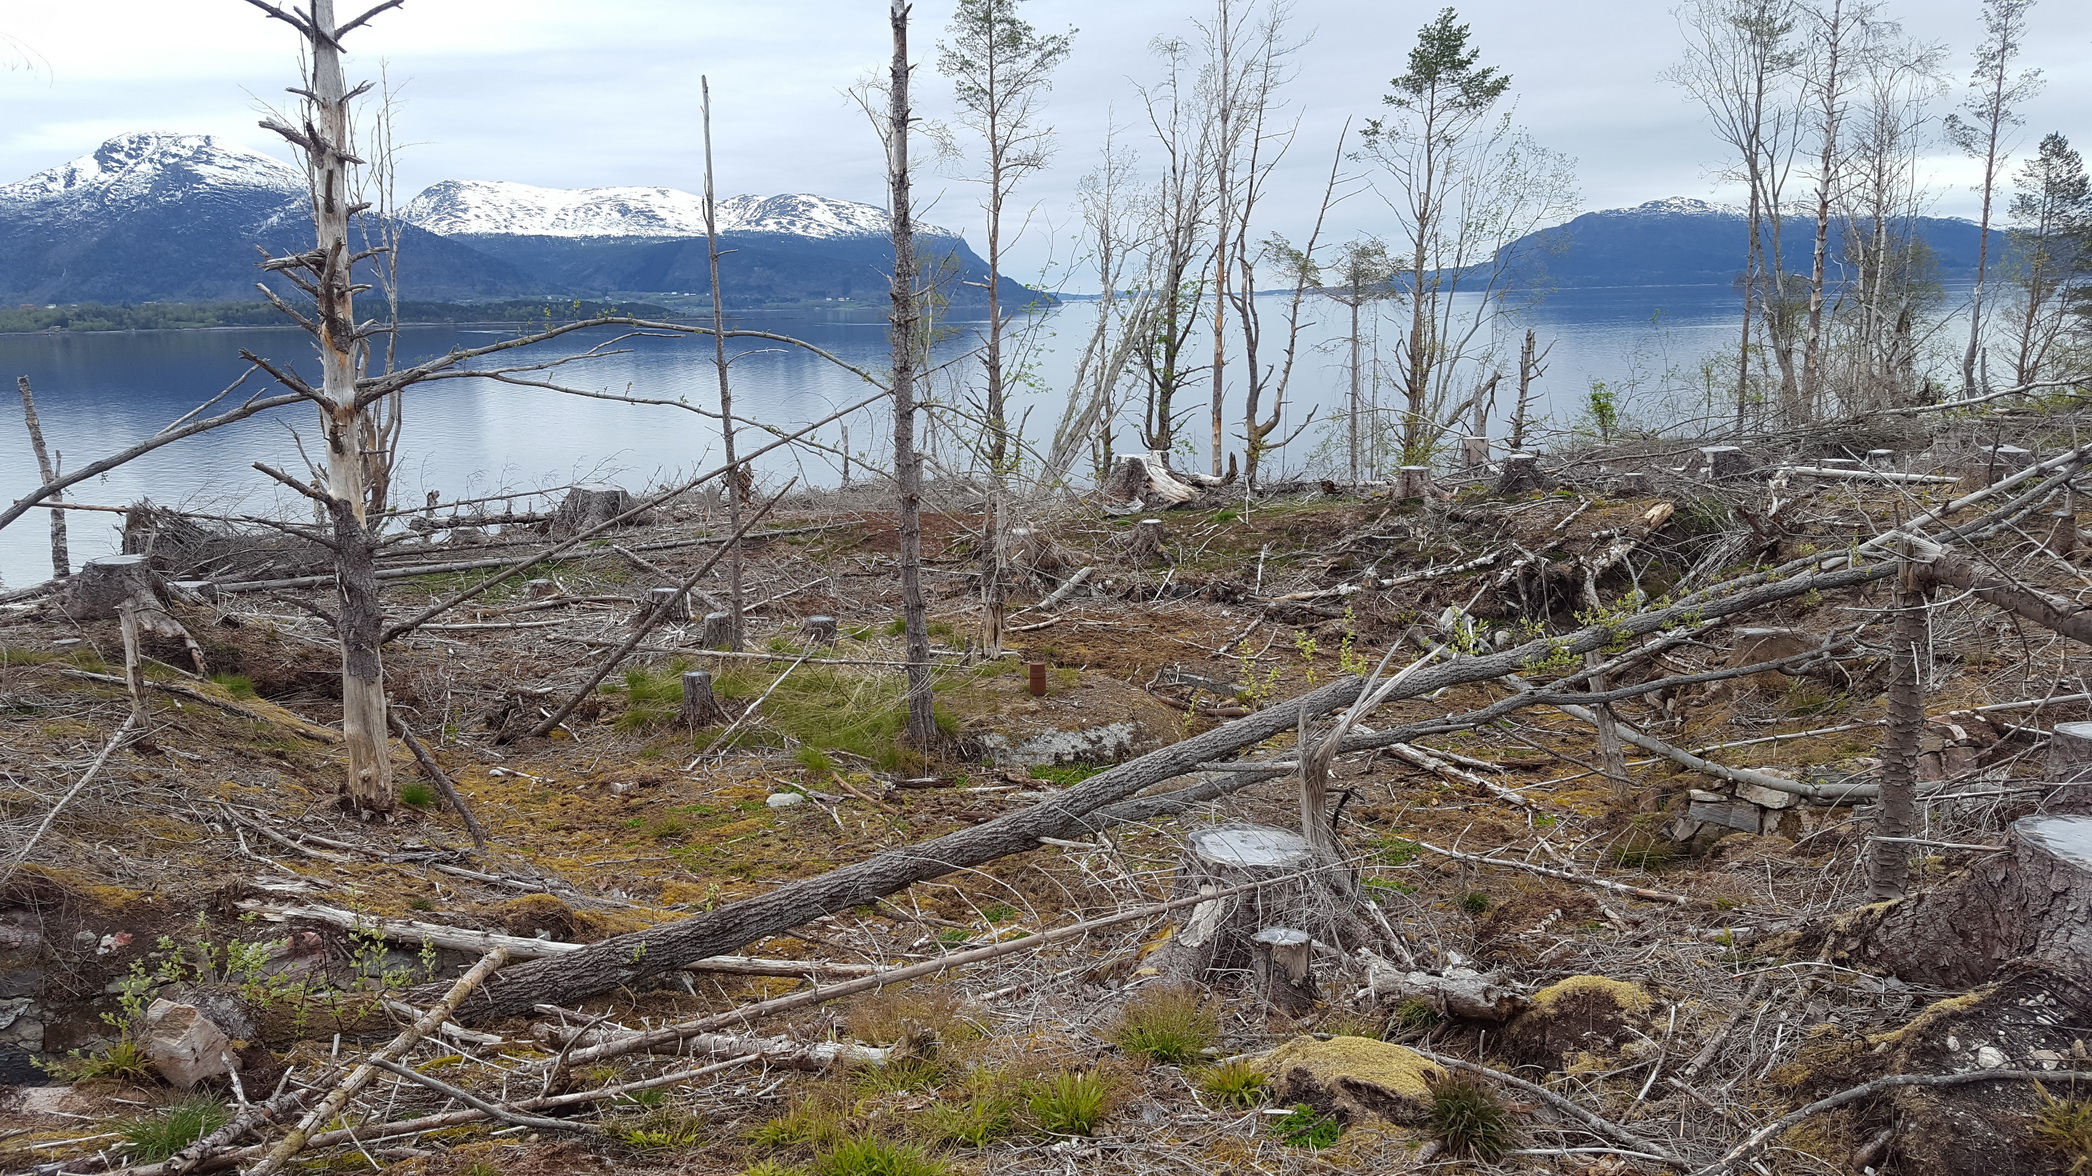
{"points": [[154, 216], [1683, 241]]}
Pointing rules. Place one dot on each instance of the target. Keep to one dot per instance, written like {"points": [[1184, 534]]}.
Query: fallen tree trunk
{"points": [[1100, 801], [633, 958]]}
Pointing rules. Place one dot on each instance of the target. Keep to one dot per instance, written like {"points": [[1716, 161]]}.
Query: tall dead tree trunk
{"points": [[734, 482], [61, 559], [1895, 814], [907, 462], [322, 137]]}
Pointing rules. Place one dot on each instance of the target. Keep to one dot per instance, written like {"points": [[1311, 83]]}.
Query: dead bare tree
{"points": [[321, 135], [734, 485], [47, 469], [1001, 67], [904, 318], [1995, 94]]}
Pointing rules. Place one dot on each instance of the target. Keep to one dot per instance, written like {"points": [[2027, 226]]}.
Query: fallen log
{"points": [[1099, 801], [1074, 814], [520, 947]]}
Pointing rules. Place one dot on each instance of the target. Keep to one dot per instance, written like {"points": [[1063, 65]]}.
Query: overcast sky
{"points": [[569, 94]]}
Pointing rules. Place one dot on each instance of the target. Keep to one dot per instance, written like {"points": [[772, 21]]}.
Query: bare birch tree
{"points": [[1111, 235], [1737, 56], [1890, 285], [1001, 68], [1995, 95], [1364, 274], [1177, 242]]}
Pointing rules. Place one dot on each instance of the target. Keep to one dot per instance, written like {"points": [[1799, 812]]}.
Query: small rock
{"points": [[183, 1044], [784, 799], [114, 941], [1990, 1057]]}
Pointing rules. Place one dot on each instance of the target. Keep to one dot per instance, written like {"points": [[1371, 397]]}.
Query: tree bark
{"points": [[1895, 813], [61, 560], [2034, 902], [733, 483], [907, 462]]}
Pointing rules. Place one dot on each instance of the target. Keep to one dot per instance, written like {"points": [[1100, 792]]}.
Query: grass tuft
{"points": [[869, 1157], [1468, 1120], [156, 1137], [804, 1124], [1235, 1084], [417, 794], [988, 1112], [124, 1061], [664, 1128], [237, 685], [1071, 1103], [2065, 1127], [1167, 1025]]}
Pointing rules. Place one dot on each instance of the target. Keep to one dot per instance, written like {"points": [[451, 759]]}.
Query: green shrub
{"points": [[1071, 1103], [124, 1061], [153, 1138], [869, 1157], [1468, 1120], [1167, 1025], [1304, 1126], [1474, 902], [1239, 1083]]}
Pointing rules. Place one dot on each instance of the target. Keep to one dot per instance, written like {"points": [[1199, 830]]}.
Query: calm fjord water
{"points": [[97, 393]]}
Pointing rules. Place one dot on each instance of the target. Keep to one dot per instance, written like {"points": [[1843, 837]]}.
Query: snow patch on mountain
{"points": [[1675, 206], [151, 167], [473, 207]]}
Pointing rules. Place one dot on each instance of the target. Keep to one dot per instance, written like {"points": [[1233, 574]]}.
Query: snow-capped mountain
{"points": [[151, 167], [478, 207], [169, 217], [157, 216], [1674, 206]]}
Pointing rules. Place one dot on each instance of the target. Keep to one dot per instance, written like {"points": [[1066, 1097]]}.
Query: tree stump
{"points": [[587, 507], [1881, 459], [1520, 476], [2006, 460], [1285, 976], [1144, 481], [1144, 546], [539, 589], [2035, 902], [100, 589], [1727, 463], [677, 600], [718, 632], [1220, 935], [700, 705], [2058, 532], [1634, 484], [1413, 482], [818, 630]]}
